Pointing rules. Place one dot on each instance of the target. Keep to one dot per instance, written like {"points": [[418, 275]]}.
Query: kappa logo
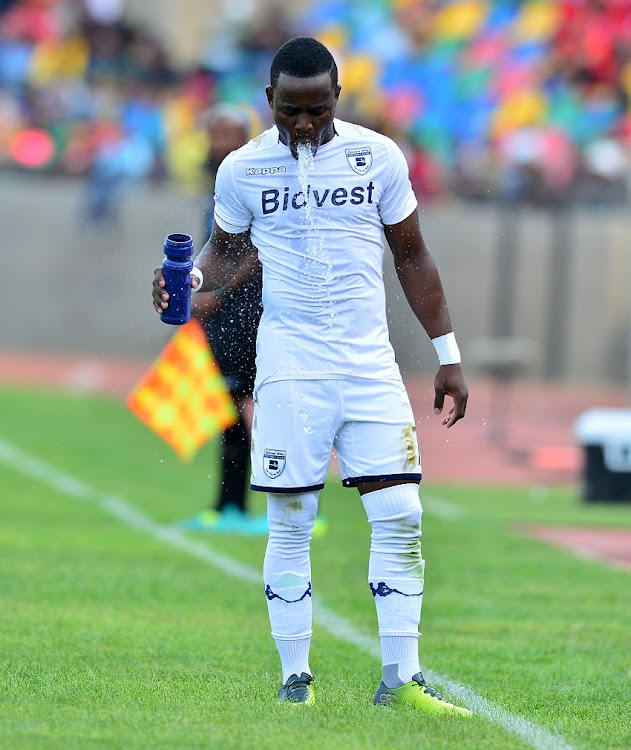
{"points": [[359, 159], [251, 171], [274, 462]]}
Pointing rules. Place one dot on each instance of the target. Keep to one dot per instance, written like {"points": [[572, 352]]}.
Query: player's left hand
{"points": [[449, 381]]}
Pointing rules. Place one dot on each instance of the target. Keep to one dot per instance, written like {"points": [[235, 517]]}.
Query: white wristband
{"points": [[200, 276], [447, 349]]}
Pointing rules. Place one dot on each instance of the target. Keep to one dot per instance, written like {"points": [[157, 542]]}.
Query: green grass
{"points": [[110, 638]]}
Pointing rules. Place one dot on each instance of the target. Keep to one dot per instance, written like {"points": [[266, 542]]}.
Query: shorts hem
{"points": [[287, 490], [353, 481]]}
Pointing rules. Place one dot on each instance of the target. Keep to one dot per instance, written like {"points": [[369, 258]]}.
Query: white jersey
{"points": [[319, 235]]}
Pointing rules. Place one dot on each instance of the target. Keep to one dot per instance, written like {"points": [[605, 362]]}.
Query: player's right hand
{"points": [[159, 293]]}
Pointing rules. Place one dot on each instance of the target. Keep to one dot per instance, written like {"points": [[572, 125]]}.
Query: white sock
{"points": [[399, 658], [287, 576], [294, 657], [396, 575]]}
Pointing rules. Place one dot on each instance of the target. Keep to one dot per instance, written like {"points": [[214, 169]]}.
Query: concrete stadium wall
{"points": [[576, 327], [70, 288], [188, 27]]}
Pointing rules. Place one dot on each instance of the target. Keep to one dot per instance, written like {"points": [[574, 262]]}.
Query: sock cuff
{"points": [[391, 502]]}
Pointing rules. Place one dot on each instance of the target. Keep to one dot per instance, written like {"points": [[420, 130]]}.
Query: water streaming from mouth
{"points": [[319, 259], [306, 165], [314, 238]]}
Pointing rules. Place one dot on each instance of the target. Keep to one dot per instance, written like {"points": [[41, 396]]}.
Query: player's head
{"points": [[303, 57], [229, 128], [303, 93]]}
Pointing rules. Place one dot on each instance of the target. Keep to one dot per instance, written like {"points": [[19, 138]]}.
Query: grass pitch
{"points": [[111, 638]]}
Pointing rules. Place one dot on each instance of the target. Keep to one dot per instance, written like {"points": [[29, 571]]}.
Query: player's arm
{"points": [[423, 289], [227, 262]]}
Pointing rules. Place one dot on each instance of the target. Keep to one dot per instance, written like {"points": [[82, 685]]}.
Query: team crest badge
{"points": [[274, 462], [359, 159]]}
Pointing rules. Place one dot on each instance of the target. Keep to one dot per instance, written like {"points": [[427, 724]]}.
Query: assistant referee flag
{"points": [[183, 397]]}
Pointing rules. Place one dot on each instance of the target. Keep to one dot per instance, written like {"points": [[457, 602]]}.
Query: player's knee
{"points": [[411, 522], [402, 527], [291, 517]]}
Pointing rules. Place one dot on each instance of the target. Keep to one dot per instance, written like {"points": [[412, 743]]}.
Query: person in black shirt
{"points": [[231, 333]]}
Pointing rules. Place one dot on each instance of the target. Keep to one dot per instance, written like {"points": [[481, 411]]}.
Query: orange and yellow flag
{"points": [[183, 397]]}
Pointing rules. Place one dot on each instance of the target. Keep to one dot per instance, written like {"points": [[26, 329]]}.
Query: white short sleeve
{"points": [[398, 200], [231, 214]]}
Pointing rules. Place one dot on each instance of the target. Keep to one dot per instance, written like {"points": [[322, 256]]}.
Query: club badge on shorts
{"points": [[359, 159], [274, 462]]}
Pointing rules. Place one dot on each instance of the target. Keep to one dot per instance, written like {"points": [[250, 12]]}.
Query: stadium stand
{"points": [[513, 99]]}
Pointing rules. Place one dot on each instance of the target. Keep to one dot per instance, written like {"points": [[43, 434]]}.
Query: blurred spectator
{"points": [[103, 12], [470, 87], [119, 159], [147, 61], [474, 172], [270, 30], [35, 21], [536, 165], [605, 172], [426, 174]]}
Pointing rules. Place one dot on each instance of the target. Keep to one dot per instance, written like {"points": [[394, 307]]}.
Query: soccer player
{"points": [[312, 198]]}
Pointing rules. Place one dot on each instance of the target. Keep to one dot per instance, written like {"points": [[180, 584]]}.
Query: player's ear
{"points": [[270, 96]]}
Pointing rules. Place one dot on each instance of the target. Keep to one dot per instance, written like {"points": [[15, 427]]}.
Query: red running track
{"points": [[520, 435]]}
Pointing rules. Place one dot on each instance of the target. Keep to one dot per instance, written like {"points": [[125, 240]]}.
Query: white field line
{"points": [[31, 467]]}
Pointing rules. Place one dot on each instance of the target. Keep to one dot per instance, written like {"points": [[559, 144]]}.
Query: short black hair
{"points": [[303, 57]]}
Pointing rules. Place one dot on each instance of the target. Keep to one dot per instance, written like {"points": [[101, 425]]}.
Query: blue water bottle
{"points": [[176, 269]]}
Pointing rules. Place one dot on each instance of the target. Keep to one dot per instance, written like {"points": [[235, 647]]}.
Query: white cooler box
{"points": [[605, 435]]}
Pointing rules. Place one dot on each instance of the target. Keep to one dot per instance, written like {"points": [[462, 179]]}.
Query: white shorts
{"points": [[297, 422]]}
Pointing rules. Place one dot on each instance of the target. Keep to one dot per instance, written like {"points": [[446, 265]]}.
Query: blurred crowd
{"points": [[511, 99]]}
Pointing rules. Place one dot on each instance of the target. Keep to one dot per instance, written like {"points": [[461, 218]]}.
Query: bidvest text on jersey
{"points": [[271, 200]]}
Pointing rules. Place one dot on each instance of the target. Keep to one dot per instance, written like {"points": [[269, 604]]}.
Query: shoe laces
{"points": [[429, 689]]}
